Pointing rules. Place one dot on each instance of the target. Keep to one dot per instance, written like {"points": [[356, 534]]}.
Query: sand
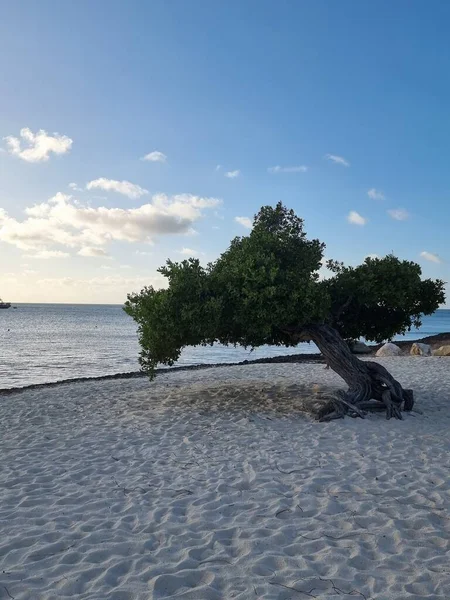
{"points": [[217, 484]]}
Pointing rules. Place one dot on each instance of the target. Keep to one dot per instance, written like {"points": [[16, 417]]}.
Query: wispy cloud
{"points": [[339, 160], [155, 156], [49, 254], [244, 221], [92, 252], [355, 218], [375, 194], [278, 169], [218, 167], [126, 188], [399, 214], [189, 252], [191, 232], [75, 187], [431, 257], [37, 147], [232, 174]]}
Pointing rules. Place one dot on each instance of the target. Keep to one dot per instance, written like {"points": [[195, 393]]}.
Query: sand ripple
{"points": [[217, 484]]}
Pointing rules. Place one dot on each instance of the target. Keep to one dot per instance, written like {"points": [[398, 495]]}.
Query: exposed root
{"points": [[331, 416], [408, 397], [351, 403], [372, 395], [372, 406], [371, 386]]}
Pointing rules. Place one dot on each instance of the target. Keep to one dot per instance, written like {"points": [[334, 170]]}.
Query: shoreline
{"points": [[434, 340], [290, 358]]}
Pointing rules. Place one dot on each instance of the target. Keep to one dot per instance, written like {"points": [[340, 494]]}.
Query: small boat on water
{"points": [[4, 304]]}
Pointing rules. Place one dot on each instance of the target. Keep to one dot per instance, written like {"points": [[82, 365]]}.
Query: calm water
{"points": [[48, 342]]}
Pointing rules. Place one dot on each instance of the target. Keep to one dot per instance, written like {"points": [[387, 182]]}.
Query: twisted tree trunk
{"points": [[371, 386]]}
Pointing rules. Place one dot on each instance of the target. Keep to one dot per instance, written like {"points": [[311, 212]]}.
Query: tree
{"points": [[265, 289]]}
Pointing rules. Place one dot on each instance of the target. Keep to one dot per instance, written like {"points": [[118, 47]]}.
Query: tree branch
{"points": [[343, 307]]}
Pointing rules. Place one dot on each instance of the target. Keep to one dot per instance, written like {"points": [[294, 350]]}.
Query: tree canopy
{"points": [[266, 289]]}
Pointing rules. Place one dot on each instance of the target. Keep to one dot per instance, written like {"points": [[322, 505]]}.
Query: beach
{"points": [[217, 483]]}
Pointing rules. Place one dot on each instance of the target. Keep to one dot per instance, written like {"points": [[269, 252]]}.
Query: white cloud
{"points": [[49, 254], [189, 252], [430, 256], [93, 252], [375, 194], [244, 221], [38, 210], [355, 218], [143, 253], [37, 146], [75, 187], [324, 272], [218, 167], [399, 214], [155, 156], [278, 169], [132, 190], [339, 160], [232, 174], [63, 222]]}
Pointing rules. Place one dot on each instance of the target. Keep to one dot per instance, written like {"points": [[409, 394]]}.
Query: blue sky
{"points": [[245, 85]]}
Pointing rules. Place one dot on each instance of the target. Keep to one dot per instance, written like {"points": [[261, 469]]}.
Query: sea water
{"points": [[40, 343]]}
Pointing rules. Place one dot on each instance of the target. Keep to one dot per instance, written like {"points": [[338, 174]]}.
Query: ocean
{"points": [[41, 343]]}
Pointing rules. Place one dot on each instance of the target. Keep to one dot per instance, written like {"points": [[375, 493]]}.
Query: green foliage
{"points": [[268, 280], [380, 298], [169, 319], [266, 284]]}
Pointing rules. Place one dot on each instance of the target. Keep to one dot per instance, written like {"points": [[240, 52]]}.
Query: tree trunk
{"points": [[371, 386]]}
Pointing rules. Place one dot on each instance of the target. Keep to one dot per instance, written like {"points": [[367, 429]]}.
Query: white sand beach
{"points": [[214, 484]]}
